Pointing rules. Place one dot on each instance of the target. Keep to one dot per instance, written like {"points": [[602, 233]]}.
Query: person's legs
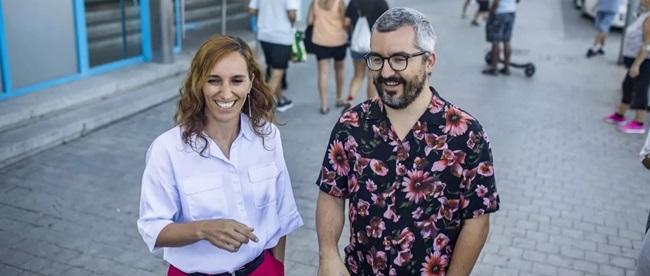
{"points": [[603, 23], [464, 14], [340, 80], [355, 83], [492, 69], [506, 58], [323, 67]]}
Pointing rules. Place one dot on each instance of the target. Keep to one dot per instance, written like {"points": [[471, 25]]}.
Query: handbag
{"points": [[360, 41], [310, 47]]}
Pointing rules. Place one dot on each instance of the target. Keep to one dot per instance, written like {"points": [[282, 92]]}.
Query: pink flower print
{"points": [[401, 169], [351, 145], [468, 177], [350, 118], [434, 142], [402, 150], [435, 264], [405, 239], [420, 129], [352, 265], [371, 186], [417, 185], [453, 159], [417, 213], [440, 242], [338, 158], [436, 105], [353, 184], [391, 214], [428, 227], [378, 200], [481, 190], [376, 227], [361, 164], [377, 260], [485, 169], [328, 177], [448, 208], [456, 121], [365, 107], [362, 207], [378, 167], [403, 257]]}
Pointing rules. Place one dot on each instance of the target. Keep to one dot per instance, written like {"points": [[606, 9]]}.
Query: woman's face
{"points": [[226, 89]]}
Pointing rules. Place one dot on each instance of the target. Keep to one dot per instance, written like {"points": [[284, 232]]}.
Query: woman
{"points": [[635, 86], [216, 194], [371, 9], [330, 38]]}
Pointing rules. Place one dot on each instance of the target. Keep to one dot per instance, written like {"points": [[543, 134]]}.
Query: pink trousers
{"points": [[269, 267]]}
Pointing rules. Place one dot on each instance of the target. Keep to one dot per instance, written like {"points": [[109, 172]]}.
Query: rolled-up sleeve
{"points": [[290, 219], [159, 201]]}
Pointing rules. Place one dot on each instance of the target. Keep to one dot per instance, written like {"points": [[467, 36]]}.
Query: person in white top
{"points": [[498, 30], [275, 19], [216, 194]]}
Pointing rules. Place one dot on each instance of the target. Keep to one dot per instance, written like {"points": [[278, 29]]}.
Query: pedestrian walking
{"points": [[637, 79], [417, 170], [605, 13], [330, 39], [498, 31], [275, 21], [216, 195], [481, 12], [371, 10], [643, 264]]}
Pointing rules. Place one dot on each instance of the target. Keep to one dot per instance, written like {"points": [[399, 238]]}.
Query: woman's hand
{"points": [[226, 234]]}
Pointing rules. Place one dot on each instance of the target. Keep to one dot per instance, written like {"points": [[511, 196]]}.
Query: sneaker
{"points": [[591, 53], [505, 71], [475, 23], [600, 51], [615, 119], [632, 127], [284, 104]]}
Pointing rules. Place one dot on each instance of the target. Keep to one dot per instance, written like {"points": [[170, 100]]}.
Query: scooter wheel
{"points": [[488, 58], [530, 70]]}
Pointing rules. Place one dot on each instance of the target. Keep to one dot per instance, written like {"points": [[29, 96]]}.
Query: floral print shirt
{"points": [[408, 198]]}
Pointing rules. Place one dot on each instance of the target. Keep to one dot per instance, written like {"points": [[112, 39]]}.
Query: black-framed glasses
{"points": [[397, 62]]}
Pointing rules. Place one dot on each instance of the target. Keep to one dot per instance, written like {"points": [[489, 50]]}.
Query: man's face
{"points": [[398, 89]]}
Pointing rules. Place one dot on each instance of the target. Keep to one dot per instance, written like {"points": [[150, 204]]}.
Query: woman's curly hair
{"points": [[190, 113]]}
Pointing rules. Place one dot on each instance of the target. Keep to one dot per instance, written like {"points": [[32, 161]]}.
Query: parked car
{"points": [[589, 9]]}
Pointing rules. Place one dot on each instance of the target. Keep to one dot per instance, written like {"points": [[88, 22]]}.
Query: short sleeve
{"points": [[253, 4], [159, 199], [290, 219], [478, 181], [336, 167]]}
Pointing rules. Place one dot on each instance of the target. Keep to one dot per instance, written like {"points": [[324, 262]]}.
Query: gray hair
{"points": [[395, 18]]}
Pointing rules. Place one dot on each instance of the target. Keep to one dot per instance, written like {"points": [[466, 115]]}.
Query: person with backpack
{"points": [[361, 14]]}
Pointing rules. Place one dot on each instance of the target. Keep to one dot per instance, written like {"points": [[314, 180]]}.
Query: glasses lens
{"points": [[398, 62], [375, 62]]}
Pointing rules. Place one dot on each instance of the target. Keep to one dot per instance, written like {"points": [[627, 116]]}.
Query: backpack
{"points": [[360, 41]]}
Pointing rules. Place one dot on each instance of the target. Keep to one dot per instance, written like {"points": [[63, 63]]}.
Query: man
{"points": [[275, 21], [605, 13], [417, 170], [498, 29]]}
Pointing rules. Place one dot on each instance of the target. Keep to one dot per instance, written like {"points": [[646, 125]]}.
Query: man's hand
{"points": [[332, 266], [226, 234]]}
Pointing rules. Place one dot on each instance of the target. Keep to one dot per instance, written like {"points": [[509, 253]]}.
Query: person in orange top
{"points": [[330, 37]]}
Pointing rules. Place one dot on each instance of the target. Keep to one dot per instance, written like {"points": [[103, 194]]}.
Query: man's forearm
{"points": [[329, 224], [469, 245]]}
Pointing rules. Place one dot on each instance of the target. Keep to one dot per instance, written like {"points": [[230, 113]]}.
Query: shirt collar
{"points": [[245, 127]]}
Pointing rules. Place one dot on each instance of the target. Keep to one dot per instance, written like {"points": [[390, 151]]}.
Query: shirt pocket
{"points": [[263, 184], [205, 199]]}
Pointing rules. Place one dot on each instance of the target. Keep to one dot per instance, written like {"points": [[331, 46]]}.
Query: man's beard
{"points": [[412, 90]]}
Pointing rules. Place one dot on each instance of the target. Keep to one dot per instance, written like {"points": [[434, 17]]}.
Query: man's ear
{"points": [[431, 62]]}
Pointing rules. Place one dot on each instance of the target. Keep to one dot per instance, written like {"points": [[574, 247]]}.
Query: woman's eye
{"points": [[213, 81]]}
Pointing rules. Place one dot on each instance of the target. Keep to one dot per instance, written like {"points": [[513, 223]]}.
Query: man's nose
{"points": [[386, 70]]}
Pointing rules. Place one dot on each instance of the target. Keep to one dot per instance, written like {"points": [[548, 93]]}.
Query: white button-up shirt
{"points": [[252, 187]]}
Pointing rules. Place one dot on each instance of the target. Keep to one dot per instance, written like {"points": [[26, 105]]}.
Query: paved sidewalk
{"points": [[574, 196]]}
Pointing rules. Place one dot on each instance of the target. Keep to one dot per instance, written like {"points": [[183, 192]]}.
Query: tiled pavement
{"points": [[574, 197]]}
